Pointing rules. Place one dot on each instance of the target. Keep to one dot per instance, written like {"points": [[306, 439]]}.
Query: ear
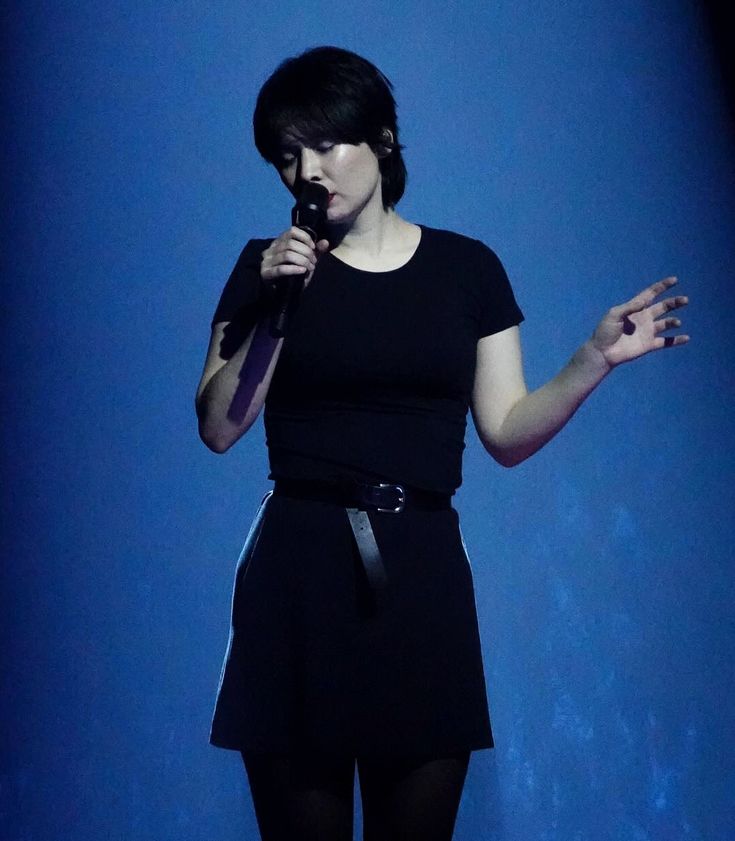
{"points": [[386, 143]]}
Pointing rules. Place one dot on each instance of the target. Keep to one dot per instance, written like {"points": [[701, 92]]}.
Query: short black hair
{"points": [[328, 93]]}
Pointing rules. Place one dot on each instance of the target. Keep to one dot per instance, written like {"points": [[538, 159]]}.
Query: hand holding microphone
{"points": [[289, 261]]}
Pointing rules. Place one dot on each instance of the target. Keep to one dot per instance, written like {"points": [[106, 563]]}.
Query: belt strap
{"points": [[383, 497], [358, 499], [367, 546]]}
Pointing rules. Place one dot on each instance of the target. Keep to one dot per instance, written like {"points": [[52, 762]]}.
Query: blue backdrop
{"points": [[588, 144]]}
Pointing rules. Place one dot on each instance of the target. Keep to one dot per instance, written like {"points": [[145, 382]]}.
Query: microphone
{"points": [[310, 214]]}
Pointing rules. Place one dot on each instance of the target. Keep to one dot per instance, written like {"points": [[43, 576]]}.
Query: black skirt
{"points": [[315, 663]]}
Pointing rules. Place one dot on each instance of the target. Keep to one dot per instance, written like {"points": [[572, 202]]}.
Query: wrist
{"points": [[590, 362]]}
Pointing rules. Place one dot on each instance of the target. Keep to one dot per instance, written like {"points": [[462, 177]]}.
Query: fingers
{"points": [[297, 235], [294, 240], [666, 324], [292, 253], [662, 324], [669, 341], [644, 298], [282, 270], [669, 304]]}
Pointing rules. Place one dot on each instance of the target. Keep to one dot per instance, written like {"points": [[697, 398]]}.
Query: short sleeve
{"points": [[498, 308], [241, 295]]}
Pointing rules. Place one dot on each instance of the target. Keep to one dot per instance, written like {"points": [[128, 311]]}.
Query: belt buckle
{"points": [[401, 491]]}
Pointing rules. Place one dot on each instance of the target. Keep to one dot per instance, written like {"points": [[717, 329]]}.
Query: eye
{"points": [[286, 158], [324, 147]]}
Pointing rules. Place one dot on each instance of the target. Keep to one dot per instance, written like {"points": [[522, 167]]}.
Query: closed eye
{"points": [[286, 157]]}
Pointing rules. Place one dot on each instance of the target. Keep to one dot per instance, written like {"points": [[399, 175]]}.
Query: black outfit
{"points": [[373, 384]]}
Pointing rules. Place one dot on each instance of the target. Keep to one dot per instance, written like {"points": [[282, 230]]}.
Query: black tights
{"points": [[310, 798]]}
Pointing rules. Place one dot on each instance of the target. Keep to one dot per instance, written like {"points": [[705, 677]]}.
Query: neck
{"points": [[370, 236]]}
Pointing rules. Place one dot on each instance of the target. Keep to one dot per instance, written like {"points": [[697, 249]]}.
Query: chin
{"points": [[336, 217]]}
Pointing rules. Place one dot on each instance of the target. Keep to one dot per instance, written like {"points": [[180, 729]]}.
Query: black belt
{"points": [[358, 498]]}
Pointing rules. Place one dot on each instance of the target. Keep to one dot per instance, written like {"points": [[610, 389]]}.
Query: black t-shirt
{"points": [[376, 372]]}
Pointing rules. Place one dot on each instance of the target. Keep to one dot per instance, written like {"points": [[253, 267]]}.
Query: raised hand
{"points": [[632, 329]]}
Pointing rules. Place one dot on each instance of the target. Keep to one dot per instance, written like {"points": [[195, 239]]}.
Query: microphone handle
{"points": [[287, 292]]}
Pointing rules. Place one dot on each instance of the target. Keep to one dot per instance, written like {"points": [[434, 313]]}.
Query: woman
{"points": [[354, 630]]}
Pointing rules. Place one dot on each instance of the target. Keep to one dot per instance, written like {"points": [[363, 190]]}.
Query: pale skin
{"points": [[512, 422]]}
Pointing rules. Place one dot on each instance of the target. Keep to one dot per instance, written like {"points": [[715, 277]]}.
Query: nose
{"points": [[309, 165]]}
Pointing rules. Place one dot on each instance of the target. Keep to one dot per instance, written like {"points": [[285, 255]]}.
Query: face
{"points": [[350, 172]]}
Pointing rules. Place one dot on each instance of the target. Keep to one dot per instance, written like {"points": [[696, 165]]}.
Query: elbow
{"points": [[219, 437], [508, 460], [210, 435], [504, 457], [216, 443], [511, 462]]}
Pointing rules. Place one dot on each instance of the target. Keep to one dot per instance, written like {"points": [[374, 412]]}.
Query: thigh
{"points": [[308, 797], [411, 799]]}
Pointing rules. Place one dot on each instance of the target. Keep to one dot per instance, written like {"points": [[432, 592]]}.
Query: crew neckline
{"points": [[419, 247]]}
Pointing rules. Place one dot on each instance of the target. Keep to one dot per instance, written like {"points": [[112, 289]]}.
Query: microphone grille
{"points": [[313, 193]]}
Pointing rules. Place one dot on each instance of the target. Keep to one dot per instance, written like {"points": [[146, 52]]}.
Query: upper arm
{"points": [[499, 383], [237, 310]]}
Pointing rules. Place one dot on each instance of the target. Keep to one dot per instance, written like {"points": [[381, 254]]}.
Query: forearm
{"points": [[538, 416], [234, 396]]}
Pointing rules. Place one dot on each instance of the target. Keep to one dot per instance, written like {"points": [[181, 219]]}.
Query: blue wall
{"points": [[588, 144]]}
